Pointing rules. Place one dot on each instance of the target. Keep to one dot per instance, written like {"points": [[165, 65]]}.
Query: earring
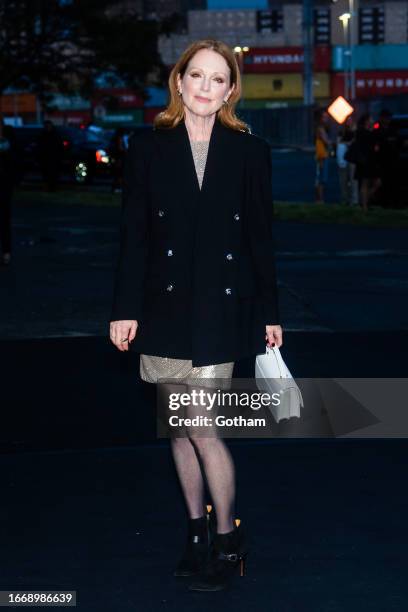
{"points": [[225, 102], [179, 92]]}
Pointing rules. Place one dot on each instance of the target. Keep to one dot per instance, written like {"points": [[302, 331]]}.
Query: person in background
{"points": [[387, 159], [322, 153], [118, 151], [367, 160], [348, 186], [7, 184], [50, 151]]}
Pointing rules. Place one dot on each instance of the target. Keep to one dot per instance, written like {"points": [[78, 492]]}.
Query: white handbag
{"points": [[273, 376]]}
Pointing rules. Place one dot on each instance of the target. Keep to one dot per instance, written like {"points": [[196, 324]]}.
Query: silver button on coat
{"points": [[228, 291], [236, 217], [169, 252], [160, 213], [170, 287], [229, 256]]}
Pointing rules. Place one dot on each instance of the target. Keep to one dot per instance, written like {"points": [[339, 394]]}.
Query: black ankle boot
{"points": [[199, 537], [228, 553]]}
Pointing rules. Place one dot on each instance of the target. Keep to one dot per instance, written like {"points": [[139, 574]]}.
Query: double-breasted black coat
{"points": [[196, 268]]}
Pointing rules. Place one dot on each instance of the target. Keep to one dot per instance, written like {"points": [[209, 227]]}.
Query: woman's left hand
{"points": [[274, 335]]}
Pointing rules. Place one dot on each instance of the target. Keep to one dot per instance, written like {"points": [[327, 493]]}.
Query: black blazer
{"points": [[196, 269]]}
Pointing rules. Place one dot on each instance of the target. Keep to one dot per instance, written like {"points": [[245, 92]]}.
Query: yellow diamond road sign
{"points": [[340, 109]]}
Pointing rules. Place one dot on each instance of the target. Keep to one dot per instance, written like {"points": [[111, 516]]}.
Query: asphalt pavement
{"points": [[294, 171], [91, 497]]}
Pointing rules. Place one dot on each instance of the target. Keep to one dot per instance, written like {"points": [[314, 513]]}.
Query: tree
{"points": [[61, 45], [126, 45], [39, 46]]}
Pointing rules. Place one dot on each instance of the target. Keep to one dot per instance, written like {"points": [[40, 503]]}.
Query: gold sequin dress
{"points": [[153, 367]]}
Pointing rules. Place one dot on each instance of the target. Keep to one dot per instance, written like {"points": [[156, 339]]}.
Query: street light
{"points": [[353, 9], [345, 18], [307, 35], [239, 52], [349, 20]]}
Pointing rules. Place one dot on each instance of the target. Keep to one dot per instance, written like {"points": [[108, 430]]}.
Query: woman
{"points": [[50, 155], [195, 285], [118, 152], [322, 152], [346, 170]]}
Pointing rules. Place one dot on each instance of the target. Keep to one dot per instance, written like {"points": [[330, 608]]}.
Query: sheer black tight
{"points": [[205, 461]]}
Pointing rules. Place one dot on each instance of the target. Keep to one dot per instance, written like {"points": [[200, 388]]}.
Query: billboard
{"points": [[284, 59], [373, 83], [280, 86]]}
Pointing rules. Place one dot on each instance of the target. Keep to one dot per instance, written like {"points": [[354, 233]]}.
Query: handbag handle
{"points": [[270, 350]]}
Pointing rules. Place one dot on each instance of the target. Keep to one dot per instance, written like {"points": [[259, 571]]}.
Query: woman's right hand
{"points": [[122, 333]]}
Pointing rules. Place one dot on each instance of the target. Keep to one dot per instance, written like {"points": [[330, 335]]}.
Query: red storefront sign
{"points": [[18, 103], [373, 83], [284, 59]]}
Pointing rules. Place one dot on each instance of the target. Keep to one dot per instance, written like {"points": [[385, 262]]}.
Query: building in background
{"points": [[18, 107], [272, 68], [273, 76], [381, 70]]}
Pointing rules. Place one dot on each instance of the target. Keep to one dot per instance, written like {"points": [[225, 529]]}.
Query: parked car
{"points": [[86, 153]]}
